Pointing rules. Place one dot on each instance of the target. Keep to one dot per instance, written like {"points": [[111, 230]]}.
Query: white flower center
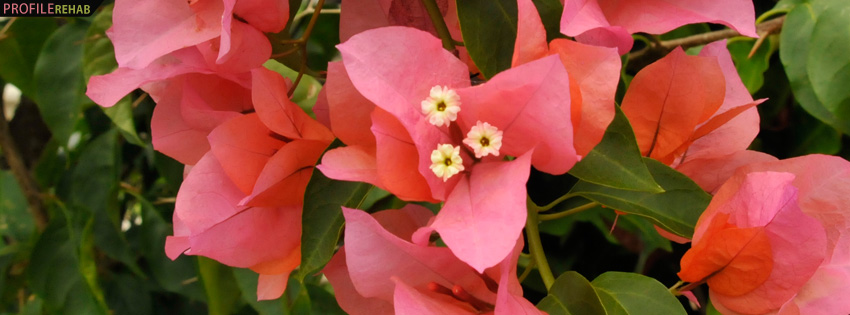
{"points": [[446, 161], [484, 139], [441, 106]]}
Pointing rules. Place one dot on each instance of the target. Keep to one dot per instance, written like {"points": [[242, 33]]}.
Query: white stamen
{"points": [[484, 139], [446, 161], [441, 106]]}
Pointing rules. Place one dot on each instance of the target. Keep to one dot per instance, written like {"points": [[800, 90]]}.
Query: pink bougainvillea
{"points": [[775, 239]]}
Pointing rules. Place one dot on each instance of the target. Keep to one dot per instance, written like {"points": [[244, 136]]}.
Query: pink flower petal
{"points": [[175, 26], [349, 112], [655, 16], [351, 301], [709, 173], [351, 163], [267, 239], [243, 146], [269, 16], [531, 105], [374, 255], [595, 71], [510, 300], [170, 134], [407, 300], [270, 287], [396, 67], [666, 102], [284, 179], [531, 35], [399, 162], [209, 100], [279, 113], [485, 213]]}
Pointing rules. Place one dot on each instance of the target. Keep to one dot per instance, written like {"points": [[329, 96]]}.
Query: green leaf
{"points": [[15, 219], [99, 59], [98, 52], [59, 80], [247, 281], [489, 29], [828, 63], [550, 14], [797, 49], [751, 70], [19, 51], [95, 183], [220, 286], [572, 294], [322, 219], [306, 93], [810, 136], [323, 301], [149, 238], [616, 161], [631, 293], [677, 209], [61, 266]]}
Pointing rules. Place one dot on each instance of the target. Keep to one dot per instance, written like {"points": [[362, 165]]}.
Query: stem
{"points": [[555, 203], [20, 170], [535, 246], [555, 216], [654, 51], [439, 24], [527, 270], [303, 43], [6, 27], [675, 288]]}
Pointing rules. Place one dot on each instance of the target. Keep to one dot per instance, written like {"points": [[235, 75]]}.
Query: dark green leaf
{"points": [[795, 51], [19, 51], [126, 294], [489, 29], [59, 79], [572, 294], [61, 267], [15, 219], [220, 286], [631, 293], [751, 70], [322, 219], [323, 301], [95, 183], [98, 53], [676, 210], [179, 276], [616, 161], [812, 136]]}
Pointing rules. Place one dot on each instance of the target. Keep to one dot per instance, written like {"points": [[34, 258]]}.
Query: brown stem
{"points": [[654, 51], [302, 42], [20, 170]]}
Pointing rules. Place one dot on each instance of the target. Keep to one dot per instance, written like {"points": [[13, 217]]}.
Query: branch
{"points": [[20, 170], [440, 24], [656, 50]]}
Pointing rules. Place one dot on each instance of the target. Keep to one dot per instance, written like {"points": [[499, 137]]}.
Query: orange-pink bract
{"points": [[775, 239], [384, 269]]}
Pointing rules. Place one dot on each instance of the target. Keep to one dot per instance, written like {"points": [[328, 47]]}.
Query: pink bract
{"points": [[610, 23], [394, 68], [379, 271], [801, 204]]}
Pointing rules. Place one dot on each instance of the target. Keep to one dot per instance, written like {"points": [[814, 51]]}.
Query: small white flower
{"points": [[484, 139], [441, 106], [446, 161]]}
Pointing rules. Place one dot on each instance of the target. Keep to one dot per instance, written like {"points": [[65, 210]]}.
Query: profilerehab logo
{"points": [[51, 8]]}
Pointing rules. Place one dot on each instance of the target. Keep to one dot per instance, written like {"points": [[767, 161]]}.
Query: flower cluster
{"points": [[415, 124]]}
